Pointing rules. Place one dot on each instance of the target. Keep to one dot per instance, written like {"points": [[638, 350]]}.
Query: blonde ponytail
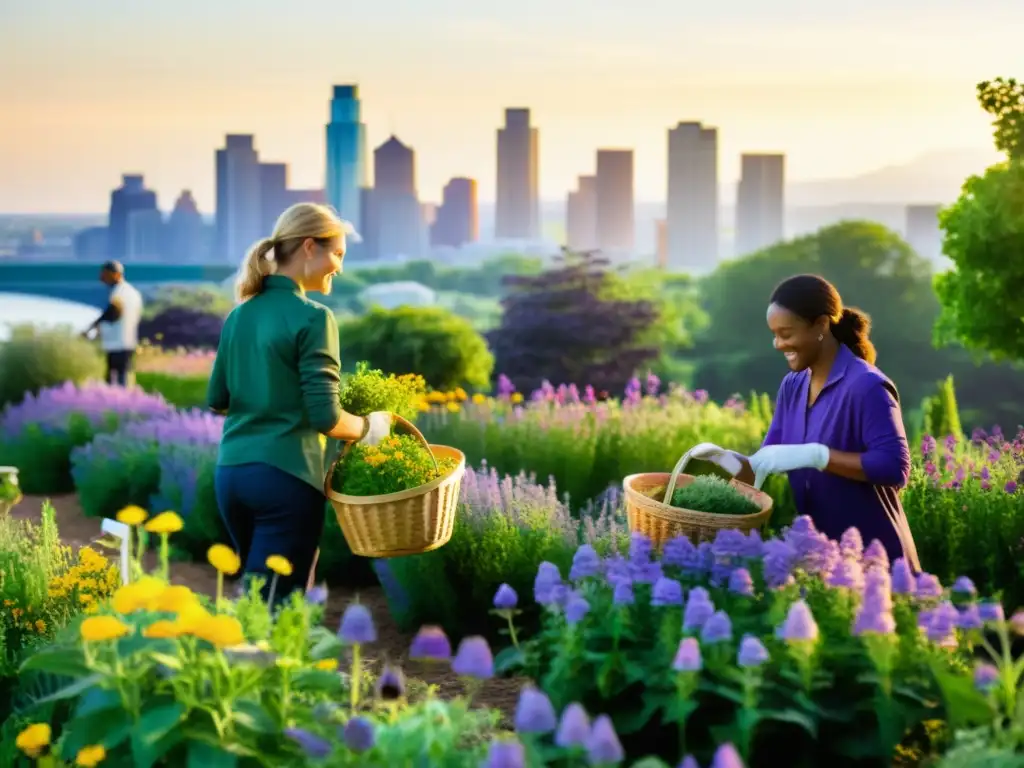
{"points": [[258, 264]]}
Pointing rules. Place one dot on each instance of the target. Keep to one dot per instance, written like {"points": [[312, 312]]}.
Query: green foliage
{"points": [[398, 463], [941, 415], [201, 298], [981, 297], [35, 358], [708, 493], [43, 456], [368, 390], [485, 280], [179, 391], [442, 347], [1004, 100]]}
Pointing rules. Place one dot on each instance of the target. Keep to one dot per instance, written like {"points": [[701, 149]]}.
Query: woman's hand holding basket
{"points": [[378, 426], [718, 456]]}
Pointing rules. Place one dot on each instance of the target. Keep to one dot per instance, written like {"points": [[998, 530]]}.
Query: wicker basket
{"points": [[661, 522], [404, 523]]}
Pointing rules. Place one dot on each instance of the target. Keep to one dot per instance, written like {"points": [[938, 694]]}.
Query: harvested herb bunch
{"points": [[711, 494], [368, 390]]}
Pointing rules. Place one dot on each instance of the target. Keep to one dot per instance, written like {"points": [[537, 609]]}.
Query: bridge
{"points": [[79, 281]]}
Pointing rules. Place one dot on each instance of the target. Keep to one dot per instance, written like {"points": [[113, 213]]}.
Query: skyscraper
{"points": [[185, 231], [146, 235], [760, 202], [396, 226], [239, 203], [692, 210], [517, 211], [581, 216], [456, 222], [131, 196], [346, 154], [615, 215], [273, 194]]}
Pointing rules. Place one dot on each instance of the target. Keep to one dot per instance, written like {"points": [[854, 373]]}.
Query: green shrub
{"points": [[179, 391], [35, 358]]}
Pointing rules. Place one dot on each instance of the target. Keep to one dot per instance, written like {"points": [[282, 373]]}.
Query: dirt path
{"points": [[392, 645]]}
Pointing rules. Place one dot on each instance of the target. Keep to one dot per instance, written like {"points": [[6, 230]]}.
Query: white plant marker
{"points": [[124, 535]]}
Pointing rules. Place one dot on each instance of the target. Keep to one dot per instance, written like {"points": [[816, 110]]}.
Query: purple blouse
{"points": [[858, 411]]}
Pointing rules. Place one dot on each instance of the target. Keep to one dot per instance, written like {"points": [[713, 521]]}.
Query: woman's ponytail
{"points": [[854, 330], [258, 264]]}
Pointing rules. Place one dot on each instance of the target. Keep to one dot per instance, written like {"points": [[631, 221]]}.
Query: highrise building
{"points": [[456, 221], [186, 233], [395, 226], [581, 216], [146, 235], [660, 243], [692, 200], [239, 211], [273, 194], [517, 205], [131, 196], [923, 233], [92, 244], [760, 202], [615, 214], [346, 154]]}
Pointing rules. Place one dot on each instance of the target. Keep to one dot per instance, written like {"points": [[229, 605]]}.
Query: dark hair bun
{"points": [[854, 330]]}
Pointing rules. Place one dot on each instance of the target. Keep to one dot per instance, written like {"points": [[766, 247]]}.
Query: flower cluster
{"points": [[87, 583], [368, 390], [991, 461], [397, 463]]}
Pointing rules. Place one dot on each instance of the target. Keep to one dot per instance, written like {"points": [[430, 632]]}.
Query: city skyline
{"points": [[152, 89]]}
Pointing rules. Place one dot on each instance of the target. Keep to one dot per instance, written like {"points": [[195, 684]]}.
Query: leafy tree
{"points": [[573, 324], [982, 297], [208, 298], [430, 341]]}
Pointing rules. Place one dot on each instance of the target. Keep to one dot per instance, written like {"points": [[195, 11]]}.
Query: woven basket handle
{"points": [[396, 421], [681, 465]]}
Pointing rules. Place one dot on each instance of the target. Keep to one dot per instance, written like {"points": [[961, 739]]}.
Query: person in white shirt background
{"points": [[118, 325]]}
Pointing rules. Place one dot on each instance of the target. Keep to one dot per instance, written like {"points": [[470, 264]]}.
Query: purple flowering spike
{"points": [[726, 756], [964, 587], [667, 592], [846, 573], [875, 556], [357, 625], [740, 582], [624, 593], [942, 624], [851, 544], [314, 746], [699, 609], [780, 558], [688, 658], [576, 609], [585, 563], [573, 728], [678, 551], [752, 652], [390, 686], [317, 595], [969, 618], [754, 545], [544, 585], [639, 549], [717, 629], [903, 582], [985, 676], [991, 611], [358, 734], [1010, 487], [534, 712], [603, 745], [505, 754], [474, 659], [430, 643], [505, 598], [799, 625], [689, 762], [928, 586]]}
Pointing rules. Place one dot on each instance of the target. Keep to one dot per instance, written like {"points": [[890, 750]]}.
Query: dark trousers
{"points": [[119, 365], [269, 512]]}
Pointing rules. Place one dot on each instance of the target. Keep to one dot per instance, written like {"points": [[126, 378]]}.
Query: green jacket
{"points": [[276, 378]]}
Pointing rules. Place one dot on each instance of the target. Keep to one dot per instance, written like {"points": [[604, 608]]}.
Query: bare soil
{"points": [[392, 645]]}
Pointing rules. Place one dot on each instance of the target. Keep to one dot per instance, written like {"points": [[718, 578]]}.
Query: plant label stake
{"points": [[122, 533]]}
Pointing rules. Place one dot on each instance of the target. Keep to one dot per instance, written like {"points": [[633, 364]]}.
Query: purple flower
{"points": [[969, 618], [667, 592], [639, 549], [474, 659], [430, 643], [505, 599], [573, 728], [846, 574], [985, 676], [623, 593], [603, 744], [317, 595], [753, 546], [585, 563], [689, 762], [1010, 487], [779, 560], [928, 586], [357, 625], [679, 552], [752, 652], [688, 658], [964, 587], [358, 734], [875, 556], [991, 611], [699, 609], [726, 756], [390, 686], [1017, 622], [534, 712], [505, 386], [548, 577], [799, 625], [903, 582], [942, 623], [313, 745], [740, 582], [729, 544], [851, 544], [505, 754], [717, 629], [576, 609]]}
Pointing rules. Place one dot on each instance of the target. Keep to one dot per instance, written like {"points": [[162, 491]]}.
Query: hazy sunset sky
{"points": [[91, 90]]}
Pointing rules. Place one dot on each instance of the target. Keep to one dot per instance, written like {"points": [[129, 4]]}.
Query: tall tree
{"points": [[572, 324]]}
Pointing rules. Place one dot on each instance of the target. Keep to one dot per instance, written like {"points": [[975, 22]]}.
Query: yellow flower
{"points": [[328, 665], [162, 629], [437, 397], [479, 398], [32, 740], [517, 397], [100, 628], [453, 407], [222, 631], [279, 565], [132, 515], [165, 522], [459, 393], [40, 626], [224, 559], [175, 599], [190, 617], [139, 595], [90, 757]]}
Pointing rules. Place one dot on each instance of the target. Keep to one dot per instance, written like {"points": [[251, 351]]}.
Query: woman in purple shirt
{"points": [[837, 430]]}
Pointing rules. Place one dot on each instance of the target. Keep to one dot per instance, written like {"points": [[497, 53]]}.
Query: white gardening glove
{"points": [[380, 427], [727, 460], [776, 459]]}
